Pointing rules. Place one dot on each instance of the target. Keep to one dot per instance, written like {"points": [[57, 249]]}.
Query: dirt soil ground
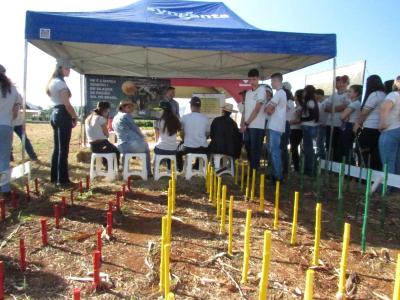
{"points": [[199, 264]]}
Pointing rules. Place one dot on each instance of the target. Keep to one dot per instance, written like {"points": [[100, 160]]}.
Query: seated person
{"points": [[168, 125], [224, 133], [130, 138], [194, 132], [97, 132]]}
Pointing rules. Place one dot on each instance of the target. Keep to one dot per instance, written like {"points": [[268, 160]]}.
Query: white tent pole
{"points": [[329, 158], [24, 101], [81, 112]]}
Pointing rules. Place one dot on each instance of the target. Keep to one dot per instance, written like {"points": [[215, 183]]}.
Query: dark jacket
{"points": [[225, 137]]}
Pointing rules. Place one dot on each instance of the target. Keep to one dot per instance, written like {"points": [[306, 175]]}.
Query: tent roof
{"points": [[164, 38]]}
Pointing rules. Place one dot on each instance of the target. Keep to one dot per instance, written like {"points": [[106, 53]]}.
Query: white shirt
{"points": [[56, 85], [277, 120], [356, 110], [310, 105], [373, 104], [323, 115], [336, 100], [393, 120], [6, 106], [291, 114], [252, 98], [94, 129], [166, 141], [195, 128]]}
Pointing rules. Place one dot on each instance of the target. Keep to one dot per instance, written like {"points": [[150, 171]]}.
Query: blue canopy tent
{"points": [[167, 39]]}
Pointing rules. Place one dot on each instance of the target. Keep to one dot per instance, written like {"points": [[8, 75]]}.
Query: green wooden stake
{"points": [[383, 196], [339, 212], [365, 217], [358, 198], [301, 180], [348, 172]]}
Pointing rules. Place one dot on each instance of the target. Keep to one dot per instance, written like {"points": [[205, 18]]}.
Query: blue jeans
{"points": [[61, 122], [5, 152], [253, 140], [309, 135], [321, 141], [137, 147], [389, 149], [274, 147], [19, 130]]}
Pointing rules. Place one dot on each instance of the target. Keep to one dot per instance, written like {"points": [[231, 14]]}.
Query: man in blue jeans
{"points": [[253, 119], [276, 109]]}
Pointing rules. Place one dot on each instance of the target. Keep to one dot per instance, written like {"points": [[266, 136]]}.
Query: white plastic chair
{"points": [[224, 161], [157, 165], [96, 163], [142, 173], [190, 159]]}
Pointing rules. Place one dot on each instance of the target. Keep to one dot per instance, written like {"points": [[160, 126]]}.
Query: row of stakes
{"points": [[60, 210], [217, 196]]}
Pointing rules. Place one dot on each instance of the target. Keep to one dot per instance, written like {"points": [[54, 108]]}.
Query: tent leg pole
{"points": [[24, 105], [329, 157]]}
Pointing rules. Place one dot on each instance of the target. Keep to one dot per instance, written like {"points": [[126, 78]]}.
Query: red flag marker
{"points": [[80, 187], [1, 280], [118, 201], [123, 191], [63, 206], [109, 223], [37, 186], [2, 210], [87, 182], [22, 255], [28, 193], [43, 223], [72, 197], [129, 183], [14, 202], [96, 269], [57, 215], [77, 294], [99, 241]]}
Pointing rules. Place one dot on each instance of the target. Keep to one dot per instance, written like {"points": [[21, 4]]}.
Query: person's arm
{"points": [[254, 113], [270, 109], [341, 107], [65, 95], [105, 129], [386, 107], [346, 113]]}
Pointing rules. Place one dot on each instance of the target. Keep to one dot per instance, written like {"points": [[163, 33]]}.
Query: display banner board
{"points": [[211, 104], [145, 92]]}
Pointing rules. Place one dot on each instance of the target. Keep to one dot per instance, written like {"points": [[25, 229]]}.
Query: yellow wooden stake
{"points": [[223, 211], [246, 196], [242, 178], [230, 226], [293, 238], [309, 291], [215, 188], [276, 210], [318, 211], [248, 181], [219, 196], [169, 216], [343, 263], [211, 184], [262, 192], [236, 171], [171, 296], [163, 240], [253, 185], [208, 178], [265, 266], [246, 247], [396, 292], [167, 251]]}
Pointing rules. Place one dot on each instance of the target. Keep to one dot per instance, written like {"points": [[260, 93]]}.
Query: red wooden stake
{"points": [[123, 191], [96, 269], [129, 183], [109, 223], [28, 193], [87, 182], [1, 280], [2, 210], [77, 294], [118, 201], [110, 206], [99, 241], [63, 206], [43, 223], [57, 215], [37, 186], [80, 187], [22, 255], [14, 202], [72, 197]]}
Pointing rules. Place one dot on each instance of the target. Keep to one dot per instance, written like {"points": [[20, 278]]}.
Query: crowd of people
{"points": [[340, 127]]}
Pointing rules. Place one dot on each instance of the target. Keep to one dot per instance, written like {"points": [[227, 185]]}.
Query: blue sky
{"points": [[366, 29]]}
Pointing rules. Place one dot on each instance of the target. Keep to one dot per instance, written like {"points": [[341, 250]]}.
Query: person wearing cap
{"points": [[169, 125], [97, 132], [194, 133], [130, 138], [9, 107], [224, 133], [63, 119]]}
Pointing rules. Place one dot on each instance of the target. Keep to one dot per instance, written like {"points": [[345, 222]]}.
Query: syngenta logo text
{"points": [[185, 15]]}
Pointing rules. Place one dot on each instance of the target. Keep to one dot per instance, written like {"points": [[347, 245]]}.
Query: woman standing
{"points": [[389, 140], [296, 134], [63, 119], [369, 121], [9, 107], [309, 123]]}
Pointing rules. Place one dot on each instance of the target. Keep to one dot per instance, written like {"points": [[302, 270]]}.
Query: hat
{"points": [[287, 86], [65, 63], [165, 105], [195, 101], [268, 89], [2, 69], [125, 102], [229, 108]]}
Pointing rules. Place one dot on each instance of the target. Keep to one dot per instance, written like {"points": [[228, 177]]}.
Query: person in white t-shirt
{"points": [[97, 131], [169, 125], [369, 120], [389, 140], [296, 134], [276, 109], [321, 135], [349, 116], [253, 119], [195, 129]]}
